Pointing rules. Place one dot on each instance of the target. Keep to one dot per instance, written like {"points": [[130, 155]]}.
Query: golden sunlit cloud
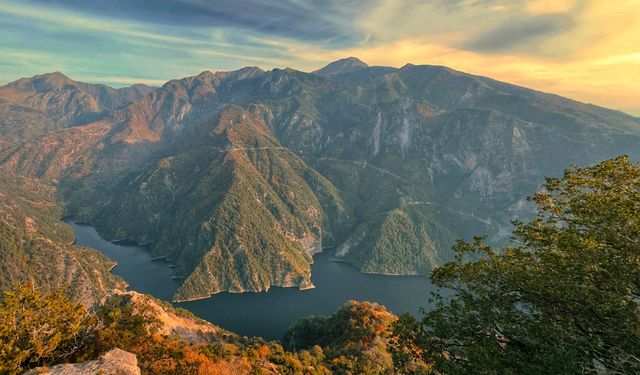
{"points": [[596, 61], [588, 50], [550, 6]]}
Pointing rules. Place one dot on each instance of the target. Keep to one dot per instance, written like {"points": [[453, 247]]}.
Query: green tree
{"points": [[122, 323], [564, 299], [38, 328]]}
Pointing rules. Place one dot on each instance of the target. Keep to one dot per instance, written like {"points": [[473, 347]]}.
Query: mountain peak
{"points": [[56, 79], [345, 65], [247, 71], [56, 74], [205, 73], [71, 102], [43, 82]]}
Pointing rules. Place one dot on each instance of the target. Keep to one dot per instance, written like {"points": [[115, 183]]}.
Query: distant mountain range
{"points": [[238, 178]]}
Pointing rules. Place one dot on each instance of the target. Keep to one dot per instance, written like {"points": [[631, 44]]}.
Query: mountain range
{"points": [[238, 178]]}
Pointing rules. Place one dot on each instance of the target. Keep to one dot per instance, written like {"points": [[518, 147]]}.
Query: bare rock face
{"points": [[114, 362]]}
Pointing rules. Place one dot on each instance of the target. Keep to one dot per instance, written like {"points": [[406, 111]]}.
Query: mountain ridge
{"points": [[364, 65], [389, 164], [70, 101]]}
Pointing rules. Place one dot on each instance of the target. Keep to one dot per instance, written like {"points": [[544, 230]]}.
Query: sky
{"points": [[588, 50]]}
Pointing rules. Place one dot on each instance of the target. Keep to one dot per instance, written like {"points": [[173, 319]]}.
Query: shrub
{"points": [[38, 328]]}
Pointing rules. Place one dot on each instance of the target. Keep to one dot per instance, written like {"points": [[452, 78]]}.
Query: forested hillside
{"points": [[36, 246], [237, 178]]}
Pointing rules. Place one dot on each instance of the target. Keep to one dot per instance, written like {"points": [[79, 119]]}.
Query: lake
{"points": [[266, 314]]}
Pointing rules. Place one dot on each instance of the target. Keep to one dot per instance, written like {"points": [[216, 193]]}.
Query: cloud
{"points": [[86, 45], [629, 58], [551, 6], [585, 49], [520, 34], [318, 21], [478, 25]]}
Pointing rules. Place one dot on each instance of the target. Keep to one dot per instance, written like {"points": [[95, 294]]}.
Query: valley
{"points": [[198, 187], [267, 314], [239, 178]]}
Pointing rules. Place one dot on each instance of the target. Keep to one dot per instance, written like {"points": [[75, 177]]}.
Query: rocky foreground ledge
{"points": [[114, 362]]}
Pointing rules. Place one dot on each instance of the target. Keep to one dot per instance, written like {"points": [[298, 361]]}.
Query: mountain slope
{"points": [[19, 123], [260, 216], [36, 246], [237, 177], [141, 334]]}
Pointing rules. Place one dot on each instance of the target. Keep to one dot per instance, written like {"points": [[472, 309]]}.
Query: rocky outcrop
{"points": [[172, 322], [114, 362]]}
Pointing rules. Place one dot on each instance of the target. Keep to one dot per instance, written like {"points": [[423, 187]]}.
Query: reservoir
{"points": [[267, 314]]}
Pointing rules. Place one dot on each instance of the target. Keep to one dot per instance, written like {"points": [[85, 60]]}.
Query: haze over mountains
{"points": [[238, 178]]}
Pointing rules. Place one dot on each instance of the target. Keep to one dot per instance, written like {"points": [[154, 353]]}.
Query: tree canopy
{"points": [[562, 299], [40, 328]]}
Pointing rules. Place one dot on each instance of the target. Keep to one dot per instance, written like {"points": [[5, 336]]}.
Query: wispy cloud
{"points": [[520, 34], [586, 49], [318, 21], [86, 45]]}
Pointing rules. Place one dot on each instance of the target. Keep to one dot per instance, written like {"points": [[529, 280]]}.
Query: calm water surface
{"points": [[266, 314]]}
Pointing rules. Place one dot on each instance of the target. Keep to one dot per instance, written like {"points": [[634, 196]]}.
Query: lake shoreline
{"points": [[267, 313]]}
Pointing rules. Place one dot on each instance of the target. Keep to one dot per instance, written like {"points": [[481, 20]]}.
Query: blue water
{"points": [[266, 314]]}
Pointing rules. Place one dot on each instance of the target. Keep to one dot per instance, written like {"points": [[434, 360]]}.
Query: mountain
{"points": [[260, 218], [237, 178], [67, 101], [342, 66]]}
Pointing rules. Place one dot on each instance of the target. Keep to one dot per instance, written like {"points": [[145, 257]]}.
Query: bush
{"points": [[39, 328]]}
